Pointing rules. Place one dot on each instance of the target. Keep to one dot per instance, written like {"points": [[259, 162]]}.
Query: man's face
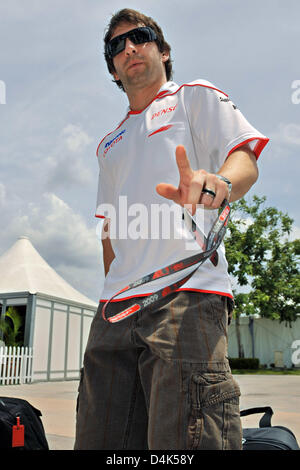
{"points": [[138, 65]]}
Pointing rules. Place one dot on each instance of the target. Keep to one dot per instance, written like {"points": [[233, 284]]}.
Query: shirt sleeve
{"points": [[218, 125]]}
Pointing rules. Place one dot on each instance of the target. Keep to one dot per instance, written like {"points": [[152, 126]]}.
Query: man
{"points": [[160, 379]]}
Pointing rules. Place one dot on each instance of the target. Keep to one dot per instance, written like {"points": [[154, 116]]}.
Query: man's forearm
{"points": [[241, 169], [108, 256], [108, 253]]}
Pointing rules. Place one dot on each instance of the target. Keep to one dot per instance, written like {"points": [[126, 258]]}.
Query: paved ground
{"points": [[57, 402]]}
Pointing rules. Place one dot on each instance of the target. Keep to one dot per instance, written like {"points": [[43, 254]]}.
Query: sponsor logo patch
{"points": [[109, 144], [163, 111], [227, 100]]}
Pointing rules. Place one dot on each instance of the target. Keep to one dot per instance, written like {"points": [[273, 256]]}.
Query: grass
{"points": [[267, 371]]}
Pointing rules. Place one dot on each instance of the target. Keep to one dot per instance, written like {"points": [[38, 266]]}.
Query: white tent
{"points": [[58, 317]]}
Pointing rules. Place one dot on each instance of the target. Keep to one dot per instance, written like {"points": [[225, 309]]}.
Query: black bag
{"points": [[267, 437], [21, 426]]}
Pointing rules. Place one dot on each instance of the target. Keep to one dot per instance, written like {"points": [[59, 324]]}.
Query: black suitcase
{"points": [[267, 437], [21, 427]]}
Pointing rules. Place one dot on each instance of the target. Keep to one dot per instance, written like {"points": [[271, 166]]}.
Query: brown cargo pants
{"points": [[160, 379]]}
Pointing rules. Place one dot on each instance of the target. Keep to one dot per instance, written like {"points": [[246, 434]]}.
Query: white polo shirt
{"points": [[139, 154]]}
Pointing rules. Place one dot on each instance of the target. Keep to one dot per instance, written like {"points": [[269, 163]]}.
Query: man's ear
{"points": [[116, 76], [165, 56]]}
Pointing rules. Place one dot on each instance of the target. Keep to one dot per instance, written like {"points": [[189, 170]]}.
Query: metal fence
{"points": [[15, 365]]}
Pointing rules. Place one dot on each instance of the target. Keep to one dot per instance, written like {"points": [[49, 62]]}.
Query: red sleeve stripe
{"points": [[262, 142]]}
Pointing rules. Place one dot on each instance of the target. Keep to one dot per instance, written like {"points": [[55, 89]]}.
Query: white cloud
{"points": [[2, 194], [76, 139], [64, 240], [295, 233], [69, 160], [54, 223], [286, 133]]}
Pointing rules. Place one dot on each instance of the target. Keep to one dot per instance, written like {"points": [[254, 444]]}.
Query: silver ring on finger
{"points": [[210, 192]]}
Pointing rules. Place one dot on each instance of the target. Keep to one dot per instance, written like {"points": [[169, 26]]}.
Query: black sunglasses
{"points": [[137, 36]]}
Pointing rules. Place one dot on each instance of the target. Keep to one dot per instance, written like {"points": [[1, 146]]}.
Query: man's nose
{"points": [[130, 47]]}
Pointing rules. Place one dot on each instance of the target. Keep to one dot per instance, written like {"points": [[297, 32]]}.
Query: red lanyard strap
{"points": [[212, 243]]}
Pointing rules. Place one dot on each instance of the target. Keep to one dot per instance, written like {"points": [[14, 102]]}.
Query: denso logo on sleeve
{"points": [[109, 144]]}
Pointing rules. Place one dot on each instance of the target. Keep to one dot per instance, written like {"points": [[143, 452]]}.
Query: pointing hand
{"points": [[191, 185]]}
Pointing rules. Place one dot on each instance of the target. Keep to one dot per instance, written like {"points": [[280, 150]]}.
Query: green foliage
{"points": [[261, 257], [12, 327]]}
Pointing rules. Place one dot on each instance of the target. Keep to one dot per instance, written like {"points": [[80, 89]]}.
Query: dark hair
{"points": [[134, 17]]}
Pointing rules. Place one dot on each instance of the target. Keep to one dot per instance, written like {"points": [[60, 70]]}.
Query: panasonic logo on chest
{"points": [[115, 138], [113, 141]]}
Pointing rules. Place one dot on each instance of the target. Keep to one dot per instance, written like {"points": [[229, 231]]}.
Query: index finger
{"points": [[183, 162]]}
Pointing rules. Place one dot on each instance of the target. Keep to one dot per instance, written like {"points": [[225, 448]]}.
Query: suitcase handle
{"points": [[265, 421]]}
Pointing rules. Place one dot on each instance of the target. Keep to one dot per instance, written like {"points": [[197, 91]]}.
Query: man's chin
{"points": [[137, 79]]}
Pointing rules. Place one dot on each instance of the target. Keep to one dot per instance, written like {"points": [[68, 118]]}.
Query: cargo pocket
{"points": [[215, 417]]}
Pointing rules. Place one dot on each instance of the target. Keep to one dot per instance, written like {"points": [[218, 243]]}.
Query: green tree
{"points": [[12, 327], [263, 260]]}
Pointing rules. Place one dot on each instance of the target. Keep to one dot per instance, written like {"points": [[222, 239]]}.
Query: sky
{"points": [[57, 101]]}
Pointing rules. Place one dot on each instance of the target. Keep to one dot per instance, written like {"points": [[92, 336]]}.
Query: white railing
{"points": [[15, 365]]}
